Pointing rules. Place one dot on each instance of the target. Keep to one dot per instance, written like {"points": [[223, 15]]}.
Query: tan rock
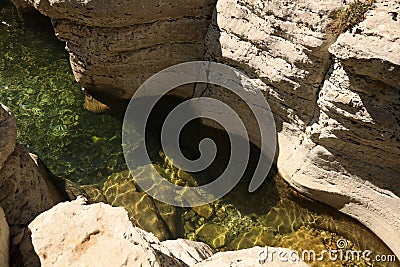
{"points": [[75, 234], [4, 240], [337, 120], [8, 133], [26, 189], [189, 252], [373, 47], [111, 64]]}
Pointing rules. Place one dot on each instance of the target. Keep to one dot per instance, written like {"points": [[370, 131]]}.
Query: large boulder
{"points": [[25, 190], [76, 234]]}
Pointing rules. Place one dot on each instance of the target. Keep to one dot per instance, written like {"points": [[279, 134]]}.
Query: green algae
{"points": [[36, 82]]}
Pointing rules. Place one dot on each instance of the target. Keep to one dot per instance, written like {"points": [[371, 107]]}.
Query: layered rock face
{"points": [[25, 189], [336, 102], [115, 46], [335, 98]]}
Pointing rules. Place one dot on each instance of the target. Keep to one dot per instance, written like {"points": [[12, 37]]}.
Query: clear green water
{"points": [[36, 82]]}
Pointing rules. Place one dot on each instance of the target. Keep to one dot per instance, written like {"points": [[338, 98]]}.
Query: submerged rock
{"points": [[163, 220], [257, 236], [213, 234]]}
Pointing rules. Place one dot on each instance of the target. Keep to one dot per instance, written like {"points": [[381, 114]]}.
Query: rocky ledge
{"points": [[76, 234], [335, 96]]}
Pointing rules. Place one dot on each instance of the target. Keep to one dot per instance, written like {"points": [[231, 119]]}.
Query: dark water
{"points": [[36, 82]]}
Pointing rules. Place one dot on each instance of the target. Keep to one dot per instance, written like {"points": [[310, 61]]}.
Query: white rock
{"points": [[74, 234]]}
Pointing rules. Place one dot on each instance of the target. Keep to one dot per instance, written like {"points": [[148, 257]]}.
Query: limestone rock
{"points": [[75, 234], [372, 49], [282, 44], [4, 240], [337, 120], [26, 189], [111, 64], [189, 252], [335, 99], [354, 164], [251, 258]]}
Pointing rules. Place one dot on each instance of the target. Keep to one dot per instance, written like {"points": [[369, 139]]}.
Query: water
{"points": [[36, 82]]}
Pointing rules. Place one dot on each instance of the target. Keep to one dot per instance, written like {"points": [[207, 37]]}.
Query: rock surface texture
{"points": [[4, 240], [115, 46], [335, 97], [25, 191], [190, 252], [71, 233]]}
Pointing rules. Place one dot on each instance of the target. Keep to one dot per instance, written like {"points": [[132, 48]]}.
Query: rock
{"points": [[4, 240], [205, 211], [257, 236], [75, 234], [26, 190], [372, 49], [251, 257], [337, 120], [189, 252], [282, 44], [111, 64], [120, 191], [23, 191], [353, 156], [8, 133], [334, 98], [213, 234]]}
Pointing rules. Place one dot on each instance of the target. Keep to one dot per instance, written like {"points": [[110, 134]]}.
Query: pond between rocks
{"points": [[36, 82]]}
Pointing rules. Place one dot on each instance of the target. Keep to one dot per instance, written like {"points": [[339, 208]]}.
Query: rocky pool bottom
{"points": [[83, 151]]}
